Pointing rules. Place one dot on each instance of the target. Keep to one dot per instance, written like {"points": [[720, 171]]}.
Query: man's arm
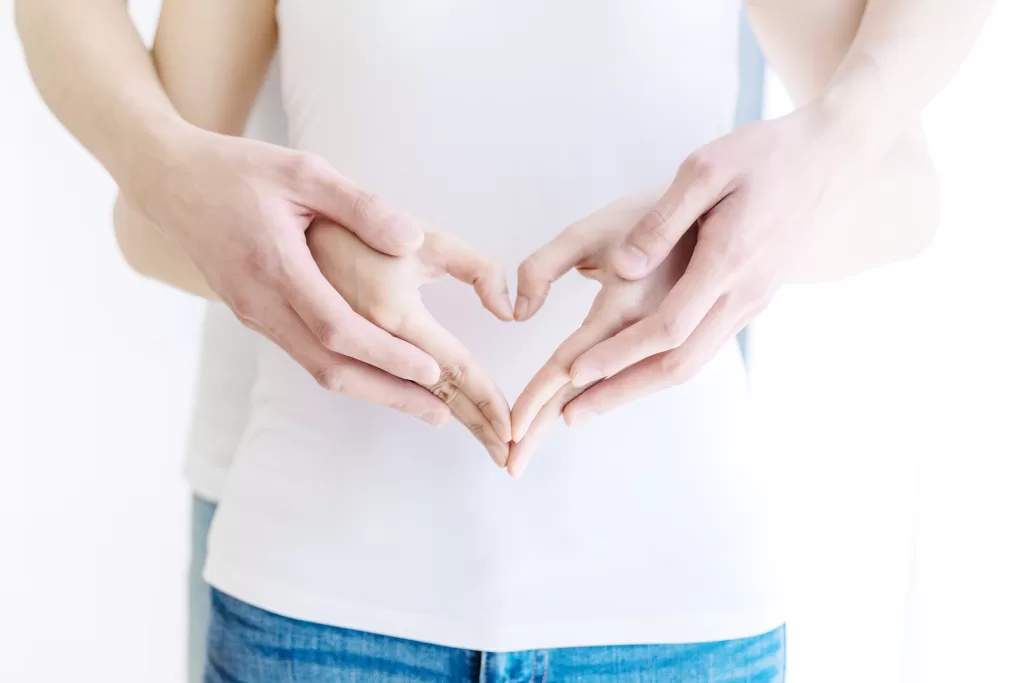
{"points": [[212, 76], [756, 196], [237, 208], [92, 70], [894, 212]]}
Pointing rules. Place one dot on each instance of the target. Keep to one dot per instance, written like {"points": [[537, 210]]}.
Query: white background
{"points": [[913, 370]]}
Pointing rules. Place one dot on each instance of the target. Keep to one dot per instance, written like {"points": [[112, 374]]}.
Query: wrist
{"points": [[860, 110], [155, 149]]}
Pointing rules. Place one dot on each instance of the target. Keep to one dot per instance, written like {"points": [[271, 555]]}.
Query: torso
{"points": [[502, 123]]}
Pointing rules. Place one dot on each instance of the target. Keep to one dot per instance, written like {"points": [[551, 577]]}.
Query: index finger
{"points": [[554, 375]]}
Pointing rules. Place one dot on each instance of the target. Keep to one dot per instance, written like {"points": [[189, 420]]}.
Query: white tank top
{"points": [[503, 122]]}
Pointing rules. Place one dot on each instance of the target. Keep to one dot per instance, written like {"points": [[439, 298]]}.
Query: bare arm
{"points": [[94, 73], [758, 195], [238, 208], [212, 59], [894, 212]]}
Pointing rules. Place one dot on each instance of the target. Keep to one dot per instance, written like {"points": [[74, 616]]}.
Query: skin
{"points": [[237, 208], [212, 75], [840, 185], [757, 201]]}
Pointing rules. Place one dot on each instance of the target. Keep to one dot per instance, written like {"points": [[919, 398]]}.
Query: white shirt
{"points": [[503, 123], [229, 351]]}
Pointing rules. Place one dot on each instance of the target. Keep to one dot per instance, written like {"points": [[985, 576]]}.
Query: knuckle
{"points": [[476, 429], [655, 225], [676, 368], [328, 334], [334, 378], [700, 169], [672, 329], [303, 167], [261, 262], [245, 309], [448, 386], [368, 208]]}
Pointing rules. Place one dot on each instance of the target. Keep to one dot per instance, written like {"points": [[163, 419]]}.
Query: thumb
{"points": [[548, 264], [695, 190], [456, 258], [365, 214]]}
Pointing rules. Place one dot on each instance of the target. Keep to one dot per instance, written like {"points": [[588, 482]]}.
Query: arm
{"points": [[212, 59], [239, 209], [754, 200], [212, 76], [94, 73], [893, 212]]}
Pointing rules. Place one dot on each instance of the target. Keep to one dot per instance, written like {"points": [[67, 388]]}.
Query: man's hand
{"points": [[588, 246], [239, 209], [385, 291], [751, 197]]}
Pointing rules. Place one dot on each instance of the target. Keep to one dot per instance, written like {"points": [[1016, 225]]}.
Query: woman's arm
{"points": [[212, 58], [895, 212]]}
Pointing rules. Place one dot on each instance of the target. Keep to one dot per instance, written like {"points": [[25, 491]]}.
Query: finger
{"points": [[667, 328], [332, 195], [522, 451], [474, 398], [545, 266], [340, 329], [344, 375], [660, 371], [554, 375], [451, 255], [697, 187]]}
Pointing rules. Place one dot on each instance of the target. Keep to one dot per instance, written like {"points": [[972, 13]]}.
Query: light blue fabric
{"points": [[250, 645], [749, 106], [198, 590]]}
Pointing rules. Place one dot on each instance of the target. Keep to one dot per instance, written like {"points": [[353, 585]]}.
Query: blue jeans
{"points": [[198, 590], [249, 645]]}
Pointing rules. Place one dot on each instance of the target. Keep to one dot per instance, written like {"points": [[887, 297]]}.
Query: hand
{"points": [[588, 246], [240, 209], [385, 291], [752, 197]]}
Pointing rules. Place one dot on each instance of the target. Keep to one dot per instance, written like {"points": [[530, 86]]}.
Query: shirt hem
{"points": [[296, 604], [205, 480]]}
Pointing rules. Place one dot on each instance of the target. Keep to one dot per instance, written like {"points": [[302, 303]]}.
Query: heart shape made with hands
{"points": [[385, 290]]}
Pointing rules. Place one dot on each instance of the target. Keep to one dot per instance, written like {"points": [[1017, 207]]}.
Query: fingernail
{"points": [[580, 418], [521, 305], [518, 466], [435, 418], [632, 261], [506, 307], [583, 377], [499, 455]]}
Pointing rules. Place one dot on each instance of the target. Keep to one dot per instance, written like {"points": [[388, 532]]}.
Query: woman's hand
{"points": [[589, 246], [385, 290]]}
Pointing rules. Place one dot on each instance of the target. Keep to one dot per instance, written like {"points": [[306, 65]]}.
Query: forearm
{"points": [[95, 74], [903, 54], [150, 253]]}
